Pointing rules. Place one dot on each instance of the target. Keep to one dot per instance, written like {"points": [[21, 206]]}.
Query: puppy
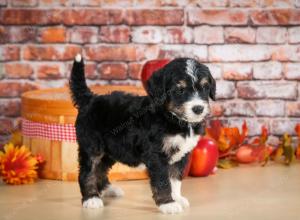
{"points": [[159, 130]]}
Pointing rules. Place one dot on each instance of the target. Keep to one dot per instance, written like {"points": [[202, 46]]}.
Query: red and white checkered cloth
{"points": [[57, 132]]}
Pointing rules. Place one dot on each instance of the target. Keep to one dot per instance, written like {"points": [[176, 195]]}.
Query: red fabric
{"points": [[58, 132]]}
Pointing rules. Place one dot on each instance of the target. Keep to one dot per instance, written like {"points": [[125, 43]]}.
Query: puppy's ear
{"points": [[212, 90], [156, 85]]}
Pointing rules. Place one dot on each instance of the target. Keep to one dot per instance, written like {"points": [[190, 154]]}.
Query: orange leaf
{"points": [[223, 142], [244, 132], [297, 129], [214, 131]]}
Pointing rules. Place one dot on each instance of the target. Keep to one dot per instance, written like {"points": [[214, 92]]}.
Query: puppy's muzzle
{"points": [[197, 109]]}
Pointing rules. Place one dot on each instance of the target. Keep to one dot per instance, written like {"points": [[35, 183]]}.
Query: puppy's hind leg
{"points": [[105, 188], [88, 166]]}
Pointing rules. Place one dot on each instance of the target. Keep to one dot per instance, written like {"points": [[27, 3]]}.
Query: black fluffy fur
{"points": [[130, 129]]}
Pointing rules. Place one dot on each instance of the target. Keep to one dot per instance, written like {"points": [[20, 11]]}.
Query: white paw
{"points": [[182, 201], [113, 191], [92, 203], [170, 208], [78, 58]]}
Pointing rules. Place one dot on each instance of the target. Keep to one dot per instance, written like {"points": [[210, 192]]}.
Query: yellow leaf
{"points": [[227, 163]]}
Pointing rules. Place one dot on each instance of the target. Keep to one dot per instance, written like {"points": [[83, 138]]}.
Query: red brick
{"points": [[267, 70], [114, 34], [271, 35], [239, 52], [270, 108], [210, 3], [225, 90], [52, 35], [50, 71], [113, 70], [6, 125], [198, 52], [57, 52], [239, 109], [92, 16], [267, 89], [237, 71], [54, 3], [286, 53], [215, 70], [239, 35], [15, 89], [172, 2], [281, 126], [20, 34], [90, 70], [84, 35], [9, 107], [216, 17], [3, 2], [276, 3], [114, 53], [9, 52], [134, 70], [294, 35], [177, 35], [243, 3], [154, 17], [275, 17], [17, 34], [88, 3], [254, 125], [208, 35], [292, 71], [147, 35], [31, 16], [24, 3], [216, 109], [293, 109], [18, 70]]}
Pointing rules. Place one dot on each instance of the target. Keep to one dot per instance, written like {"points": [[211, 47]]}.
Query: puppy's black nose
{"points": [[197, 109]]}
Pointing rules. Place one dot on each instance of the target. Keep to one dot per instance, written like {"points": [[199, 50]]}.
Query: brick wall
{"points": [[252, 48]]}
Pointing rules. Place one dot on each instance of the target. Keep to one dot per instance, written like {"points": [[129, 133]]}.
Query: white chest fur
{"points": [[183, 144]]}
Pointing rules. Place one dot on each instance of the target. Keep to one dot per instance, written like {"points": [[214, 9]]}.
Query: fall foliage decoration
{"points": [[17, 164], [235, 147]]}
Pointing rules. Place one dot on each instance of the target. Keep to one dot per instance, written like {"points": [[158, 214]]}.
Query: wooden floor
{"points": [[247, 192]]}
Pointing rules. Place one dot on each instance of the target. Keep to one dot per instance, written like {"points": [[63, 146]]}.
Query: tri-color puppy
{"points": [[158, 130]]}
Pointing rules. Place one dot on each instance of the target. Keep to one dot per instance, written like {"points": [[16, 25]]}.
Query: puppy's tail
{"points": [[81, 94]]}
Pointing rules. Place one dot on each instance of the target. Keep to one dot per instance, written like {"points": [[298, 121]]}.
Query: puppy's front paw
{"points": [[170, 208], [182, 201], [92, 203], [113, 191]]}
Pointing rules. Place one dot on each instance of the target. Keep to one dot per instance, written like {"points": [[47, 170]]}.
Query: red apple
{"points": [[150, 67], [204, 157]]}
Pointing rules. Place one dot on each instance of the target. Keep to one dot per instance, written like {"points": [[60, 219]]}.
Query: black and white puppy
{"points": [[158, 130]]}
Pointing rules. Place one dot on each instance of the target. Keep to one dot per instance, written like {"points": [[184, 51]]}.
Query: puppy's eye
{"points": [[205, 86], [180, 90]]}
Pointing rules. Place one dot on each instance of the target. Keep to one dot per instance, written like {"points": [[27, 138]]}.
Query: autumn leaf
{"points": [[297, 129], [285, 150], [227, 163], [16, 138], [226, 137]]}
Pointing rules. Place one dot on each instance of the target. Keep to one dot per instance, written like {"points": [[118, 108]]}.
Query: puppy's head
{"points": [[184, 87]]}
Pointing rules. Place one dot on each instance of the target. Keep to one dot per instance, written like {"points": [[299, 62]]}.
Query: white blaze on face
{"points": [[191, 116], [190, 69]]}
